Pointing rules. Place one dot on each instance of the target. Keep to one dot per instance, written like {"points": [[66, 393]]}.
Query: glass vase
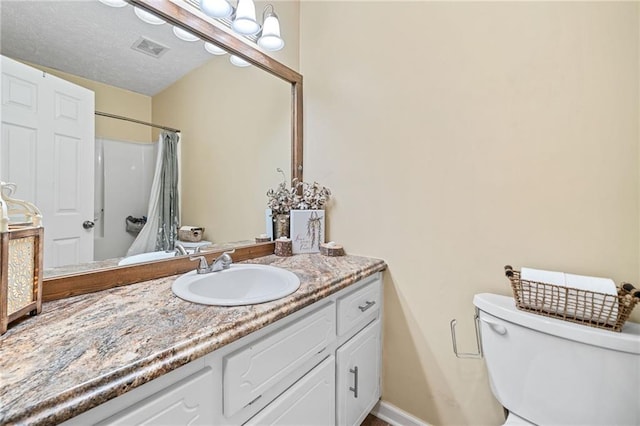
{"points": [[281, 226]]}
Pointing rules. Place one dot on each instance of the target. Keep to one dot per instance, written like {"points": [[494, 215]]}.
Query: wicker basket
{"points": [[599, 310]]}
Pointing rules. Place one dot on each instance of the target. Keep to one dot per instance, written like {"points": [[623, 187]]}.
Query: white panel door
{"points": [[20, 127], [47, 150]]}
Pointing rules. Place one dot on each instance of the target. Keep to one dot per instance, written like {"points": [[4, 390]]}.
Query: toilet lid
{"points": [[504, 307]]}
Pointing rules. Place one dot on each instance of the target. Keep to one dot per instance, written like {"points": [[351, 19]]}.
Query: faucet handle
{"points": [[228, 253], [203, 265], [226, 258]]}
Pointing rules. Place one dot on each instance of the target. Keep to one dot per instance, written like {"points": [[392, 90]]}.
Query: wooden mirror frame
{"points": [[59, 287]]}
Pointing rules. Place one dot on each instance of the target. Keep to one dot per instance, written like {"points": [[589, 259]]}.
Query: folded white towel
{"points": [[542, 276], [574, 295], [597, 306], [583, 282]]}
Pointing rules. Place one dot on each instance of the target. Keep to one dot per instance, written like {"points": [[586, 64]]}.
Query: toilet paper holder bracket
{"points": [[478, 353]]}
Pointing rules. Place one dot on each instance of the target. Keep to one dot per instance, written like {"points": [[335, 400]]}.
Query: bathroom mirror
{"points": [[223, 165]]}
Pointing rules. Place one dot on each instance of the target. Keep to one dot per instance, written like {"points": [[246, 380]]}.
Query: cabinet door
{"points": [[185, 403], [358, 376], [311, 401]]}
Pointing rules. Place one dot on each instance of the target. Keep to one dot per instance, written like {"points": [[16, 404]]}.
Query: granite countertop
{"points": [[82, 351]]}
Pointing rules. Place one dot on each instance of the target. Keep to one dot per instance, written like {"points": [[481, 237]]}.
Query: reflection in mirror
{"points": [[235, 127]]}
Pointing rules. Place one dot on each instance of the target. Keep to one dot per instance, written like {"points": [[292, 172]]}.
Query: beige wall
{"points": [[236, 131], [114, 100], [459, 137]]}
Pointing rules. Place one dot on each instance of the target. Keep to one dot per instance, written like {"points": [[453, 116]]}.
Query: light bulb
{"points": [[238, 61], [213, 49], [184, 35], [270, 38], [148, 17], [216, 8], [245, 20]]}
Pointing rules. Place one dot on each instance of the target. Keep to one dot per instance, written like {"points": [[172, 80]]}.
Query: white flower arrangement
{"points": [[299, 196], [311, 196], [281, 199]]}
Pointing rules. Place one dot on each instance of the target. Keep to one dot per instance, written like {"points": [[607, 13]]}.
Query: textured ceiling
{"points": [[92, 40]]}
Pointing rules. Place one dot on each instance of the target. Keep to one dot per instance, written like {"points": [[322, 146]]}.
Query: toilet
{"points": [[547, 371]]}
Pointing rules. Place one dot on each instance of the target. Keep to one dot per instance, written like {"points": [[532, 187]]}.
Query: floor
{"points": [[372, 420]]}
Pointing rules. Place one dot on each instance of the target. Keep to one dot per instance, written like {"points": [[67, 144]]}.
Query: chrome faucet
{"points": [[222, 262], [180, 250]]}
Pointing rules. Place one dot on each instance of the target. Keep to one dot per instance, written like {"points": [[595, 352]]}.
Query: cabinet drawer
{"points": [[357, 309], [311, 401], [274, 362]]}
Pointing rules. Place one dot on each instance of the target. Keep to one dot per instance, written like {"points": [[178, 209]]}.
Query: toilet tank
{"points": [[552, 372]]}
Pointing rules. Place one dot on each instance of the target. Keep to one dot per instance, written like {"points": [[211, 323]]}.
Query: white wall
{"points": [[458, 137]]}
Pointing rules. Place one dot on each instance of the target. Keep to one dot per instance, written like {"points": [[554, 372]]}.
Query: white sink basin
{"points": [[238, 285], [146, 257]]}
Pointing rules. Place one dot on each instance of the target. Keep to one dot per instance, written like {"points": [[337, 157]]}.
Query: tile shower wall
{"points": [[124, 173]]}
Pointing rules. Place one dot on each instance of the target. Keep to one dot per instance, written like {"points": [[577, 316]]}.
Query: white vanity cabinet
{"points": [[318, 366]]}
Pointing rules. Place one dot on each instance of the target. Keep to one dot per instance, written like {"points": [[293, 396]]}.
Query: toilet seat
{"points": [[512, 419]]}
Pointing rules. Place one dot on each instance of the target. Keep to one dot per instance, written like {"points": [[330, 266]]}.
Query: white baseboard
{"points": [[395, 416]]}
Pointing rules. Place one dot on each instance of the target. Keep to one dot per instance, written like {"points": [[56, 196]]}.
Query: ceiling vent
{"points": [[149, 47]]}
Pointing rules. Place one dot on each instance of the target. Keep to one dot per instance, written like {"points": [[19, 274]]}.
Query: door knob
{"points": [[87, 224]]}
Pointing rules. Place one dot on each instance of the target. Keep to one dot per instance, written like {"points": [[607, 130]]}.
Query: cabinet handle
{"points": [[354, 389], [366, 306]]}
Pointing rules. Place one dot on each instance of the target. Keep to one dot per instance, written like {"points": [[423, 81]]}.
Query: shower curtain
{"points": [[161, 230]]}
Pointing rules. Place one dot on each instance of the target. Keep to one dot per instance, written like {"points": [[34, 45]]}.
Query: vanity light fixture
{"points": [[270, 37], [184, 35], [245, 20], [213, 49], [216, 8], [148, 17], [114, 3], [238, 61]]}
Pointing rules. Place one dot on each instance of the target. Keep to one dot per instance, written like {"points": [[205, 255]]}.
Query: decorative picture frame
{"points": [[307, 230]]}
